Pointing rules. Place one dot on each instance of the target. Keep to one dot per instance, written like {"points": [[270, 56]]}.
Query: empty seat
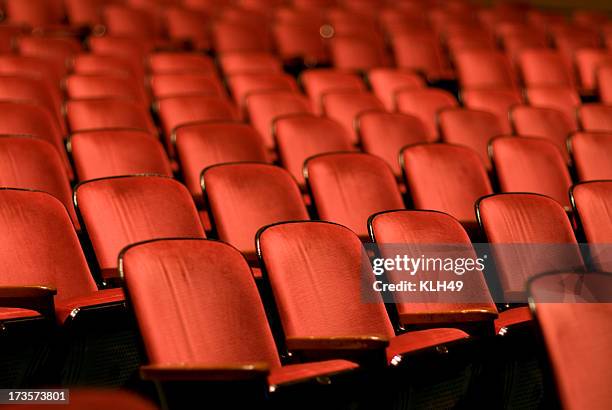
{"points": [[591, 153], [425, 104], [176, 111], [259, 194], [33, 163], [12, 64], [178, 84], [249, 62], [185, 25], [447, 178], [421, 51], [588, 60], [384, 134], [34, 13], [483, 68], [497, 102], [125, 20], [549, 123], [543, 241], [265, 107], [521, 38], [228, 37], [578, 359], [79, 86], [56, 49], [119, 211], [103, 64], [564, 99], [106, 153], [84, 12], [133, 50], [96, 114], [386, 82], [595, 117], [531, 165], [177, 62], [241, 85], [345, 107], [471, 128], [322, 81], [320, 267], [348, 187], [571, 39], [299, 41], [356, 53], [224, 295], [542, 67], [22, 118], [201, 145], [604, 83], [592, 202], [303, 135]]}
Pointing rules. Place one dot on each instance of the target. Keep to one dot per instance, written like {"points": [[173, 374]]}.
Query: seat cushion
{"points": [[512, 317], [298, 372], [100, 297], [16, 313], [422, 339]]}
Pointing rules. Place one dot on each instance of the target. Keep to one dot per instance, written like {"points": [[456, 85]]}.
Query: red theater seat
{"points": [[542, 67], [106, 153], [119, 211], [345, 107], [79, 86], [34, 13], [249, 62], [483, 68], [300, 41], [595, 117], [230, 36], [591, 153], [604, 83], [497, 102], [58, 50], [531, 165], [318, 82], [177, 62], [124, 20], [588, 60], [348, 187], [242, 85], [387, 82], [356, 53], [421, 51], [16, 65], [180, 84], [185, 25], [104, 64], [425, 104], [104, 113], [564, 99]]}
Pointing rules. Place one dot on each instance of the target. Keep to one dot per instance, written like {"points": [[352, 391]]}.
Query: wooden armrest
{"points": [[38, 298], [337, 343], [181, 372]]}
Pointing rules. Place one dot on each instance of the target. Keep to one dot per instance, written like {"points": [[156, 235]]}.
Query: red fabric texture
{"points": [[470, 128], [384, 134], [411, 342], [185, 24], [482, 68], [29, 223], [128, 21], [496, 101], [53, 70], [421, 50], [32, 163], [91, 114], [177, 84], [531, 165], [246, 197], [263, 108], [591, 152], [349, 187], [299, 137], [199, 146], [562, 98], [447, 178], [355, 53], [134, 50], [513, 316], [318, 82], [104, 86], [250, 62], [296, 372], [235, 36], [549, 123], [105, 153], [604, 82], [104, 64], [595, 117], [543, 67], [34, 13], [98, 297], [124, 210], [299, 41], [587, 61], [344, 107], [386, 82], [180, 62], [415, 230], [242, 85], [425, 104], [528, 219]]}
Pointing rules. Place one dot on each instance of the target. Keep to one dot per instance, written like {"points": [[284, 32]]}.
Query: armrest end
{"points": [[38, 298], [182, 372], [337, 343]]}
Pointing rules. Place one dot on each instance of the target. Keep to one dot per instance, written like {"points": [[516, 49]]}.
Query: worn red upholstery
{"points": [[425, 104], [419, 230], [318, 82], [265, 107], [179, 84], [79, 86], [576, 336], [495, 101], [482, 68], [531, 165], [29, 119], [119, 211], [591, 153], [33, 163], [345, 107], [543, 67], [604, 83], [534, 224], [96, 114], [349, 187], [470, 128], [384, 134], [106, 153], [421, 51], [593, 202], [200, 145], [241, 85], [250, 62], [303, 135], [564, 99], [243, 197], [177, 62], [595, 117], [161, 273], [357, 53], [587, 61], [386, 82], [316, 271], [444, 177]]}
